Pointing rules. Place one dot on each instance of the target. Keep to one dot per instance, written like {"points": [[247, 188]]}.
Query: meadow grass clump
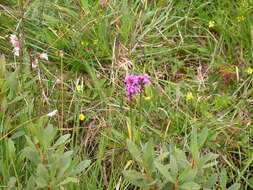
{"points": [[133, 94]]}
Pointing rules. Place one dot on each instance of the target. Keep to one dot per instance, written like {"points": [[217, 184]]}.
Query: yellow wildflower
{"points": [[147, 98], [95, 42], [249, 71], [81, 117], [129, 162], [189, 96], [244, 4], [79, 88], [240, 18], [84, 43], [211, 24]]}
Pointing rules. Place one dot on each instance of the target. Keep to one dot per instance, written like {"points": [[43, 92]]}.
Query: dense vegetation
{"points": [[130, 94]]}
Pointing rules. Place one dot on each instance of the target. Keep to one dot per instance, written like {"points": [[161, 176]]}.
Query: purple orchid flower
{"points": [[135, 84]]}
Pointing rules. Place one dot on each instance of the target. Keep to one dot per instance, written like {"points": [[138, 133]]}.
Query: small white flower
{"points": [[14, 40], [34, 63], [43, 56], [16, 51], [15, 43], [53, 113]]}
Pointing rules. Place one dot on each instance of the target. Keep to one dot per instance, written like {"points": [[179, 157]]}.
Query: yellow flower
{"points": [[249, 71], [95, 42], [189, 96], [244, 4], [84, 43], [81, 117], [211, 24], [79, 88], [129, 162], [147, 98], [240, 18]]}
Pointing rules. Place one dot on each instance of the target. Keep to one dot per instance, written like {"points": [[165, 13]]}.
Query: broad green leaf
{"points": [[63, 163], [202, 137], [211, 164], [164, 171], [11, 80], [11, 183], [68, 180], [183, 163], [17, 134], [235, 186], [80, 167], [188, 175], [42, 172], [223, 179], [163, 156], [190, 186], [30, 143], [31, 184], [250, 181], [136, 178], [173, 166], [41, 182], [31, 155], [208, 157], [11, 148], [148, 156], [194, 146], [48, 135], [212, 180], [62, 140], [134, 151]]}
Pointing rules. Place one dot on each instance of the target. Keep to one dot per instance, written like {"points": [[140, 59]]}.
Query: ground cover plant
{"points": [[130, 94]]}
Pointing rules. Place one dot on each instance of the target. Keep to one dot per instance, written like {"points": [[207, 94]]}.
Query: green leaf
{"points": [[63, 163], [11, 148], [250, 181], [211, 181], [194, 146], [235, 186], [17, 134], [223, 179], [68, 180], [11, 183], [41, 182], [190, 186], [183, 163], [85, 5], [2, 67], [202, 137], [188, 175], [136, 178], [164, 171], [134, 151], [48, 135], [62, 140], [148, 156], [31, 154], [211, 164], [31, 184], [208, 157], [42, 172], [11, 80], [80, 167], [173, 166]]}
